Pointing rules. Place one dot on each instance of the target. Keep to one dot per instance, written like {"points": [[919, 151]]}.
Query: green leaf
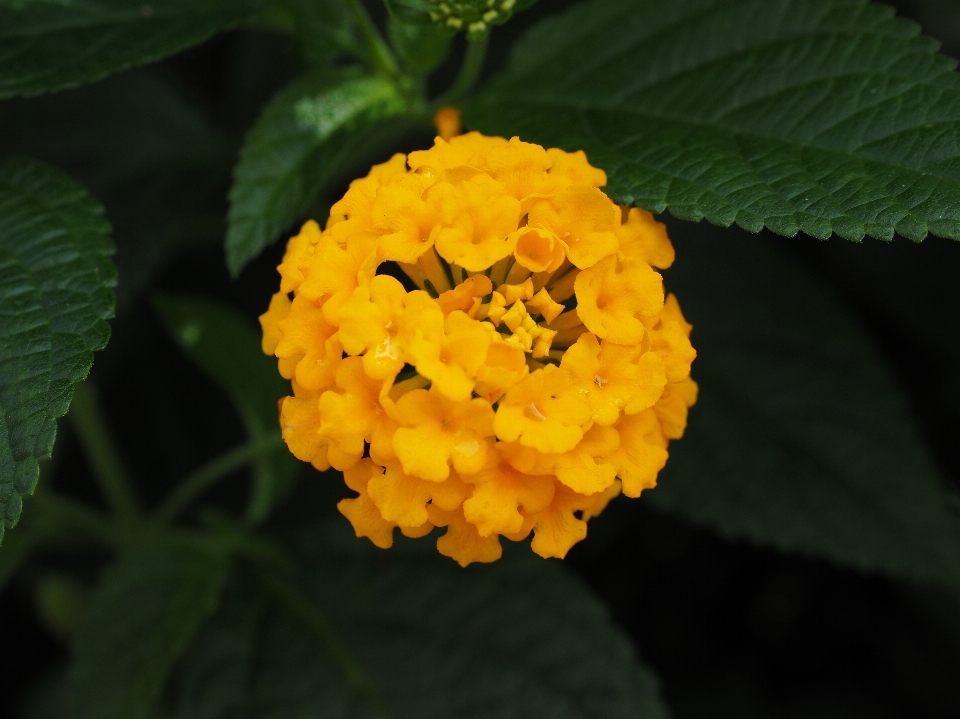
{"points": [[51, 46], [302, 138], [55, 297], [324, 29], [410, 634], [138, 622], [227, 347], [421, 47], [801, 437], [819, 116], [151, 157]]}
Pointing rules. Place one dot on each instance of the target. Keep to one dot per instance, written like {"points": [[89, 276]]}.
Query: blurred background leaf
{"points": [[800, 437], [821, 116], [152, 156], [226, 346], [55, 297], [419, 636], [51, 46], [139, 620]]}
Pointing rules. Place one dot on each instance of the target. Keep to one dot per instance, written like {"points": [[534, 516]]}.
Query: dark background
{"points": [[732, 629]]}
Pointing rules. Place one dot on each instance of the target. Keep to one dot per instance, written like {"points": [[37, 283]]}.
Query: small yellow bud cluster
{"points": [[474, 16], [479, 341]]}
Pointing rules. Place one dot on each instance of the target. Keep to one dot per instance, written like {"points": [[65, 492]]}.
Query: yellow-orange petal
{"points": [[558, 528], [462, 542], [502, 496], [583, 219], [642, 453], [278, 310], [361, 511], [613, 295]]}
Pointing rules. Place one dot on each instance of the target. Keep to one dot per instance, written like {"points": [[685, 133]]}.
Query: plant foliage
{"points": [[820, 116], [302, 138], [802, 439], [142, 616], [413, 635], [51, 45], [55, 297]]}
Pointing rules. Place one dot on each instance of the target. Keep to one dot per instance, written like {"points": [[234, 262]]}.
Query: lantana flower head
{"points": [[480, 341]]}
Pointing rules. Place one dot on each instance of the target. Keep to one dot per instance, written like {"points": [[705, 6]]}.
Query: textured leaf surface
{"points": [[520, 638], [50, 46], [300, 140], [819, 116], [801, 437], [142, 616], [55, 297], [226, 346]]}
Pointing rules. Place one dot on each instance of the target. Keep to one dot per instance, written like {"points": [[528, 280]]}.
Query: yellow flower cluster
{"points": [[479, 341]]}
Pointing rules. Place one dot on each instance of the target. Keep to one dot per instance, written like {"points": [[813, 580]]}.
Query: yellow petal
{"points": [[642, 238], [642, 453], [462, 542], [361, 511], [500, 494], [558, 528], [299, 248], [542, 413], [278, 310], [585, 221], [611, 297]]}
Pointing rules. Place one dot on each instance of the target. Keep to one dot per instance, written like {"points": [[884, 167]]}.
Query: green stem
{"points": [[209, 474], [86, 417], [379, 50], [470, 69], [314, 616]]}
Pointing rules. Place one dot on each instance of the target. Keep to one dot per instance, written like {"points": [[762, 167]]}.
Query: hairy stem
{"points": [[212, 472], [100, 449], [383, 59], [470, 70]]}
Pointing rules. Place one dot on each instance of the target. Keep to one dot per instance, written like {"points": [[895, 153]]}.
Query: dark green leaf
{"points": [[324, 30], [16, 548], [147, 153], [140, 619], [801, 437], [49, 46], [299, 142], [226, 346], [55, 297], [412, 12], [421, 47], [411, 634], [818, 116]]}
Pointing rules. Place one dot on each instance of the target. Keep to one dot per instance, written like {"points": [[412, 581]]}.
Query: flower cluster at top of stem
{"points": [[529, 371], [474, 16]]}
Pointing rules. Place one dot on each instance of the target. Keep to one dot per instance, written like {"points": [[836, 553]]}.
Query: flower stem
{"points": [[100, 448], [212, 472], [470, 70], [379, 50]]}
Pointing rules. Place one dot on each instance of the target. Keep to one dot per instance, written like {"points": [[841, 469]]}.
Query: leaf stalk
{"points": [[199, 481], [103, 456], [380, 53]]}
